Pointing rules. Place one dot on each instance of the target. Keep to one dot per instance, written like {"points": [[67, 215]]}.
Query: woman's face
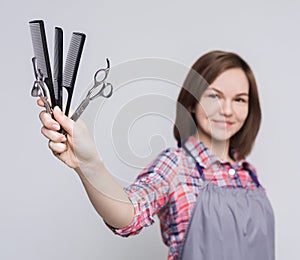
{"points": [[223, 107]]}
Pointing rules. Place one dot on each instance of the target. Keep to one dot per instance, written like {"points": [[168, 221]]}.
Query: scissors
{"points": [[39, 86], [106, 90]]}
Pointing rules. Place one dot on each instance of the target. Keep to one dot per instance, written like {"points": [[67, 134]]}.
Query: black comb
{"points": [[72, 64], [40, 49], [58, 66]]}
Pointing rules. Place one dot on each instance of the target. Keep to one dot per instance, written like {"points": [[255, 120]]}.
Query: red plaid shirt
{"points": [[168, 187]]}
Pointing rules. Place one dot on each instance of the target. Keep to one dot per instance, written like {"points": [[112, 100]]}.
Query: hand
{"points": [[77, 148]]}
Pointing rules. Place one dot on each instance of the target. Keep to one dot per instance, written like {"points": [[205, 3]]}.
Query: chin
{"points": [[221, 136]]}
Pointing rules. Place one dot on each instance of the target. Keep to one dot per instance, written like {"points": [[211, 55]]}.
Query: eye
{"points": [[214, 96], [241, 100]]}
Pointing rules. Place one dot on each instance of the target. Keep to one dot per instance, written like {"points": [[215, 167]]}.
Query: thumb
{"points": [[66, 123]]}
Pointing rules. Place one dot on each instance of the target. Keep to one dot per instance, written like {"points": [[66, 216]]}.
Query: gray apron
{"points": [[230, 224]]}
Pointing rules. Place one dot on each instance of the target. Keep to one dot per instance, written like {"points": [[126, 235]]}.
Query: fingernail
{"points": [[63, 139], [57, 108], [56, 126], [60, 112]]}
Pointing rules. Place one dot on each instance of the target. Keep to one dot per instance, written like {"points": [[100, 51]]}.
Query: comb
{"points": [[72, 64], [40, 49], [58, 64]]}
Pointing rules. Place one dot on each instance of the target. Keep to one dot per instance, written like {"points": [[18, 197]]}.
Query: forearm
{"points": [[79, 152], [106, 195]]}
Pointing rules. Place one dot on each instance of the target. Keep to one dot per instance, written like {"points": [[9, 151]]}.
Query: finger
{"points": [[48, 121], [53, 136], [66, 123], [57, 147], [40, 102]]}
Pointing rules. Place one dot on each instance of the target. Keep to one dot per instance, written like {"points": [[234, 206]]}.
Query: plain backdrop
{"points": [[44, 210]]}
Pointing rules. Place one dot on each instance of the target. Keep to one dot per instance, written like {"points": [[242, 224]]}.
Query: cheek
{"points": [[202, 112], [241, 113], [208, 107], [203, 116]]}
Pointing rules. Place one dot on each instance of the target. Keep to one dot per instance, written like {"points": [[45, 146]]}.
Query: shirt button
{"points": [[231, 172]]}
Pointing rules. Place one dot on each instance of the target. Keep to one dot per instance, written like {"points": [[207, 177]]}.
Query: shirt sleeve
{"points": [[150, 192]]}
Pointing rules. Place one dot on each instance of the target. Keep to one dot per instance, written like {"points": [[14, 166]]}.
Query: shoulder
{"points": [[252, 173], [164, 164], [166, 160], [249, 166]]}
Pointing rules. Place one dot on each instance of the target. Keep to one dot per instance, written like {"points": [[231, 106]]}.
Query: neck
{"points": [[218, 148], [221, 149]]}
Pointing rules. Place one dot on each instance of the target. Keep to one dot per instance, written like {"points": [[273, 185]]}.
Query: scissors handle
{"points": [[105, 93], [47, 105], [79, 110]]}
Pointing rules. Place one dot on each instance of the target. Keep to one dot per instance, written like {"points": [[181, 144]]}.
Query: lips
{"points": [[222, 123]]}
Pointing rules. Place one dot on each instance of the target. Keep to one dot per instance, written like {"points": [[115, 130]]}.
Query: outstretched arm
{"points": [[78, 151]]}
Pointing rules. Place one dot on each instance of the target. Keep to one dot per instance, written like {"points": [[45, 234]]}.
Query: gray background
{"points": [[45, 213]]}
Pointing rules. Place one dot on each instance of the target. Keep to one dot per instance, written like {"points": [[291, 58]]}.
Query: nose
{"points": [[226, 108]]}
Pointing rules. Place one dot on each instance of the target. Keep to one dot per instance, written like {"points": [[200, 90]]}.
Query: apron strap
{"points": [[252, 174]]}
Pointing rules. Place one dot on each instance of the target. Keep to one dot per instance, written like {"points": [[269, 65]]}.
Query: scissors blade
{"points": [[79, 110]]}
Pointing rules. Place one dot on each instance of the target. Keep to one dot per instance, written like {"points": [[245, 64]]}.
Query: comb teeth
{"points": [[40, 49], [57, 69], [73, 59]]}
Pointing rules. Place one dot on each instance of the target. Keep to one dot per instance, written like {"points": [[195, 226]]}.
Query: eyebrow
{"points": [[239, 94]]}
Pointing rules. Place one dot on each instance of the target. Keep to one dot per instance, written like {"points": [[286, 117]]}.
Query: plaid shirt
{"points": [[168, 187]]}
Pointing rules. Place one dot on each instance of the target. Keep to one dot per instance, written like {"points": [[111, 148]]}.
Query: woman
{"points": [[206, 195]]}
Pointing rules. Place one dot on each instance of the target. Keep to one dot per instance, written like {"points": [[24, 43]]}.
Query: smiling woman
{"points": [[206, 195]]}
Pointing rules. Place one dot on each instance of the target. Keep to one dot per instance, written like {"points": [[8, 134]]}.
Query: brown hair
{"points": [[204, 71]]}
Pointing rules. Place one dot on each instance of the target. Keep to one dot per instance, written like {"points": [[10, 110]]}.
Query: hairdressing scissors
{"points": [[105, 90], [39, 89]]}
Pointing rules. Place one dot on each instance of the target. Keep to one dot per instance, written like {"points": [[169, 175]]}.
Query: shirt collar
{"points": [[203, 155]]}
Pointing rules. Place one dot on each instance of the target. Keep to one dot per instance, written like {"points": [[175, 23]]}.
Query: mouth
{"points": [[222, 123]]}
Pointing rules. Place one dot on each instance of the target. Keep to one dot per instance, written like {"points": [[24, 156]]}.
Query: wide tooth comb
{"points": [[40, 49], [72, 64]]}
